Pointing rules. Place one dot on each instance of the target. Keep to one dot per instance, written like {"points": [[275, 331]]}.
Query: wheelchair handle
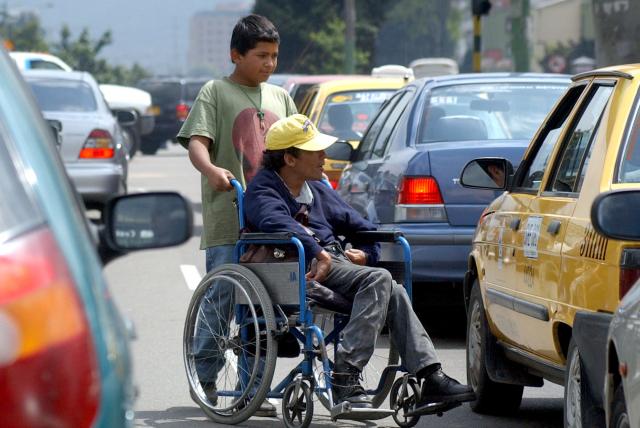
{"points": [[240, 200]]}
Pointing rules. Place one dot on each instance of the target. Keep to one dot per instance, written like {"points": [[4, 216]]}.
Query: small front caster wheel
{"points": [[403, 397], [297, 405]]}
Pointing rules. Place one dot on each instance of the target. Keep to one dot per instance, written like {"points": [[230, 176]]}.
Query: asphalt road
{"points": [[153, 289]]}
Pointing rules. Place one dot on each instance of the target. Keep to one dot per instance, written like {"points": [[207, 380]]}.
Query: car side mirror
{"points": [[615, 215], [147, 220], [125, 117], [340, 150], [487, 173], [56, 130]]}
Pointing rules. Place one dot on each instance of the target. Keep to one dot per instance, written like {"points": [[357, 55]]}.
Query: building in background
{"points": [[210, 36]]}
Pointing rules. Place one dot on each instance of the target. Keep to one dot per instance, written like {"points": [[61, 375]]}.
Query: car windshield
{"points": [[64, 95], [487, 111], [346, 115], [629, 171], [162, 93]]}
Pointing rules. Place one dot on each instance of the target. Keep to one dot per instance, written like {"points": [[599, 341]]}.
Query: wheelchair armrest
{"points": [[258, 236], [373, 236]]}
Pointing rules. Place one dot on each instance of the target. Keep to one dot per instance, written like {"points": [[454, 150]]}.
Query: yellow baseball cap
{"points": [[299, 132]]}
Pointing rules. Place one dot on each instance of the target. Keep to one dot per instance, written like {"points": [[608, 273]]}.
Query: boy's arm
{"points": [[218, 178]]}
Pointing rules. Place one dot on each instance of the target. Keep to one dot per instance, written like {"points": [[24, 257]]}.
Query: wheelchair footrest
{"points": [[433, 408], [345, 410]]}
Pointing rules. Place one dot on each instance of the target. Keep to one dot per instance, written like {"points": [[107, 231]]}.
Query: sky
{"points": [[153, 33]]}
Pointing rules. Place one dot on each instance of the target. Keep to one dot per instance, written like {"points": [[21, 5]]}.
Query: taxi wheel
{"points": [[491, 397], [579, 407]]}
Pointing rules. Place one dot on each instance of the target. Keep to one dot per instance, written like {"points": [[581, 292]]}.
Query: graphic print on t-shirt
{"points": [[248, 139]]}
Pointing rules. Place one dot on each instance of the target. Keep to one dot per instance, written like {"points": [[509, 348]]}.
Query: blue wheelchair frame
{"points": [[305, 329]]}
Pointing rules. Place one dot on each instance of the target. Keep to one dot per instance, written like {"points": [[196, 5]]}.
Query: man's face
{"points": [[257, 64], [308, 165]]}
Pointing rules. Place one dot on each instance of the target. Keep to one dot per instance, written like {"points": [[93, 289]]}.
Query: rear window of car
{"points": [[63, 95], [192, 89], [346, 115], [487, 111], [163, 93]]}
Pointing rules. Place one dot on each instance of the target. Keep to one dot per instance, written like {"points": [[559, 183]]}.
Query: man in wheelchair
{"points": [[292, 168]]}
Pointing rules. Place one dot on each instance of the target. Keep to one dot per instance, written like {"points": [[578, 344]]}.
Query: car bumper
{"points": [[590, 332], [439, 252], [97, 182]]}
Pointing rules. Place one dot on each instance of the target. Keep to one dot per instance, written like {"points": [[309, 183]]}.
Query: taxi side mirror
{"points": [[615, 215], [487, 173]]}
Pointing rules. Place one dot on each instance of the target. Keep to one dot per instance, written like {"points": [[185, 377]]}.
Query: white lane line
{"points": [[191, 276]]}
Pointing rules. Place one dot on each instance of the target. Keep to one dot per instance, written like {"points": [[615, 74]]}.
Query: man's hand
{"points": [[220, 179], [320, 267], [357, 257]]}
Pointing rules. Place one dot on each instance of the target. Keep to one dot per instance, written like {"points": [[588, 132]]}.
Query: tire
{"points": [[491, 397], [249, 333], [372, 373], [619, 415], [132, 140], [579, 407], [297, 405]]}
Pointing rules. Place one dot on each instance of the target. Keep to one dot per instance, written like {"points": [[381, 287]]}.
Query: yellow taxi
{"points": [[343, 108], [542, 284]]}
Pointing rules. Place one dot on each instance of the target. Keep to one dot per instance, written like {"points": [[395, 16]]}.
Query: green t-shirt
{"points": [[226, 113]]}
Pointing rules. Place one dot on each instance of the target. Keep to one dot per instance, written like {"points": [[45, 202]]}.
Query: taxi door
{"points": [[510, 274], [546, 226]]}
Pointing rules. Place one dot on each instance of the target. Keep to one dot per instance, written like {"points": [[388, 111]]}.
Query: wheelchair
{"points": [[244, 316]]}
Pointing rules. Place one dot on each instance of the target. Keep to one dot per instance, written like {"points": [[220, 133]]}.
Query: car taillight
{"points": [[419, 200], [334, 183], [182, 111], [99, 145], [629, 269], [49, 373]]}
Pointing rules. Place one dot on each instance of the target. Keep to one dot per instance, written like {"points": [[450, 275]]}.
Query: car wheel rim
{"points": [[474, 344], [574, 417]]}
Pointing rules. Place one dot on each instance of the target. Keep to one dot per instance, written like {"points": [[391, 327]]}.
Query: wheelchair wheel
{"points": [[297, 405], [405, 393], [228, 345], [385, 355]]}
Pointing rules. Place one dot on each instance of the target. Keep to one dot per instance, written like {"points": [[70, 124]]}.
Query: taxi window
{"points": [[575, 154], [629, 169], [530, 178], [346, 115]]}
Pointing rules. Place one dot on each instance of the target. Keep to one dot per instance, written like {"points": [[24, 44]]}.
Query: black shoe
{"points": [[210, 392], [346, 386], [440, 388]]}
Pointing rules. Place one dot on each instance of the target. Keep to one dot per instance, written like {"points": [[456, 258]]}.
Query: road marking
{"points": [[191, 276]]}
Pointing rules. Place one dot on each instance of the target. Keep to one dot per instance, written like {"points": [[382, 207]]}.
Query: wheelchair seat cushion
{"points": [[327, 298]]}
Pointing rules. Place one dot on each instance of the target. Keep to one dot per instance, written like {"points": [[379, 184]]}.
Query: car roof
{"points": [[490, 78], [628, 71], [367, 82], [176, 79], [58, 75]]}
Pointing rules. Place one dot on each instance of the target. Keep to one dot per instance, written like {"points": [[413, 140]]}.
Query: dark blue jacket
{"points": [[269, 207]]}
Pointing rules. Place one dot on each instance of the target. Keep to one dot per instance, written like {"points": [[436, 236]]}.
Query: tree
{"points": [[82, 54], [23, 32], [415, 29]]}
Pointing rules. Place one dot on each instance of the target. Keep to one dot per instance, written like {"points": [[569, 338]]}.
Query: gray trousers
{"points": [[377, 297]]}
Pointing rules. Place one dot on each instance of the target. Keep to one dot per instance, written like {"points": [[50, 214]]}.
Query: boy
{"points": [[224, 134]]}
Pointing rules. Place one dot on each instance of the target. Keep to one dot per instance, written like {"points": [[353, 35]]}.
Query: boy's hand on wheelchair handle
{"points": [[320, 267], [357, 257], [220, 179]]}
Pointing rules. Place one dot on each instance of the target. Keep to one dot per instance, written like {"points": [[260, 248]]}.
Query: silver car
{"points": [[92, 146], [615, 215]]}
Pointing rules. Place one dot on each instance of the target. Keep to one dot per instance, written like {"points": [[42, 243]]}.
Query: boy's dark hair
{"points": [[250, 30], [273, 160]]}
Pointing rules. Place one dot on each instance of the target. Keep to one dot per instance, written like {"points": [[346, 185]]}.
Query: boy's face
{"points": [[257, 64]]}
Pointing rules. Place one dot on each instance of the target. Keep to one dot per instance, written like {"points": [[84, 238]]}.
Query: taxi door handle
{"points": [[554, 227]]}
